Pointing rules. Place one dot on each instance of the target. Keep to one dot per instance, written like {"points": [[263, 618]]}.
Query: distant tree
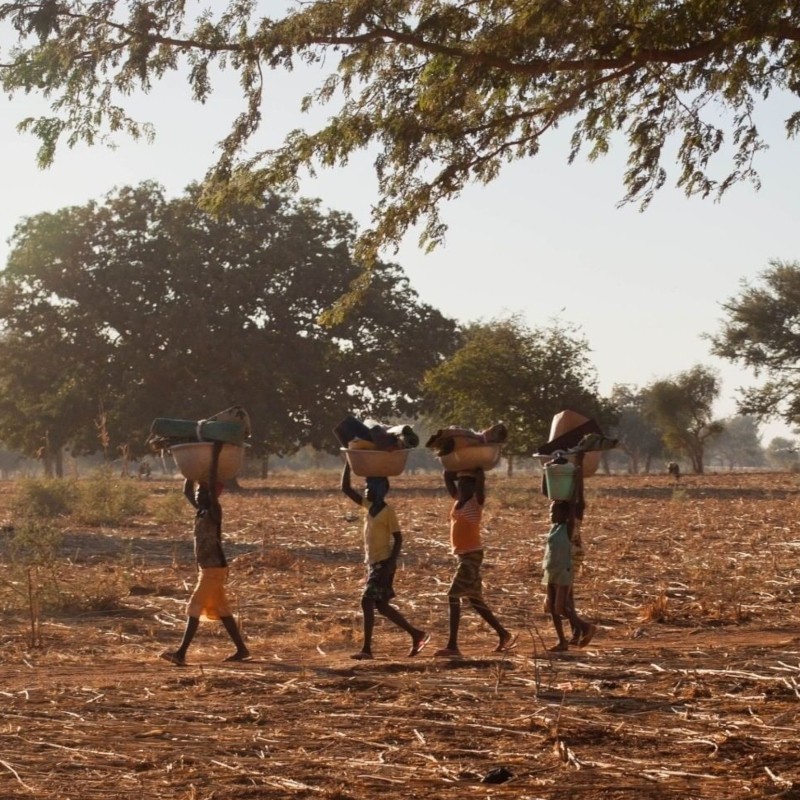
{"points": [[444, 92], [762, 331], [738, 445], [783, 454], [681, 407], [506, 371], [45, 400], [144, 307], [638, 437]]}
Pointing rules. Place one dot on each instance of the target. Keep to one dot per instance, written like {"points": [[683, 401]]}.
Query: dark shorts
{"points": [[467, 581], [380, 580]]}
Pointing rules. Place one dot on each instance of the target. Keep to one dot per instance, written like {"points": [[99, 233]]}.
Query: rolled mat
{"points": [[165, 431]]}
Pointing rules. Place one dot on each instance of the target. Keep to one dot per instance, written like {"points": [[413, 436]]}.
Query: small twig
{"points": [[16, 775], [558, 716]]}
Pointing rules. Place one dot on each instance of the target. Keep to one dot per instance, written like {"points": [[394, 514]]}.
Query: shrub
{"points": [[170, 508], [105, 500], [44, 498]]}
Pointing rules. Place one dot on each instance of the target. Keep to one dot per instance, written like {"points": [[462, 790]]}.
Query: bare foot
{"points": [[239, 655], [447, 652], [173, 658], [421, 638], [561, 647], [508, 642], [588, 634], [362, 655]]}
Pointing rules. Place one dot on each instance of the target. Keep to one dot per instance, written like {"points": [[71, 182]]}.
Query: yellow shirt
{"points": [[378, 539], [465, 526]]}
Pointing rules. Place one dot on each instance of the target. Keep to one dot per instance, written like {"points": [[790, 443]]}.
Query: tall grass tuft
{"points": [[99, 500], [106, 500], [31, 569], [44, 498], [170, 508]]}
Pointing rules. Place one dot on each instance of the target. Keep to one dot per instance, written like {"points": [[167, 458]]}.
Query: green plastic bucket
{"points": [[559, 481]]}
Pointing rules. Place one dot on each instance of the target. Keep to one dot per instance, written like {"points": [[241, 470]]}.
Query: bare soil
{"points": [[691, 688]]}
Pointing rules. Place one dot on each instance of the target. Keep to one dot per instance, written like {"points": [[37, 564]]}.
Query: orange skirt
{"points": [[208, 600]]}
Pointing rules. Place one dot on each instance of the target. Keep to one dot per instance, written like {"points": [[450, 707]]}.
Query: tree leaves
{"points": [[152, 308], [507, 372], [445, 93], [761, 330]]}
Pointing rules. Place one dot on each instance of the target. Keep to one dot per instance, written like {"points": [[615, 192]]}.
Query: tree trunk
{"points": [[510, 465], [125, 469], [265, 465], [59, 462]]}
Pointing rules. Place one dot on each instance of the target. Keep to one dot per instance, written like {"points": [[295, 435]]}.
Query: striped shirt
{"points": [[465, 527]]}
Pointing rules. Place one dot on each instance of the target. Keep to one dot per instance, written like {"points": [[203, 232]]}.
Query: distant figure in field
{"points": [[673, 468]]}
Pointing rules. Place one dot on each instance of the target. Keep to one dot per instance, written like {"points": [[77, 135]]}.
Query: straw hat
{"points": [[566, 431]]}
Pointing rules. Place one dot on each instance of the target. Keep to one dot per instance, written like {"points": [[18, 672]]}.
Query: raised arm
{"points": [[188, 492], [347, 486], [450, 483], [480, 486]]}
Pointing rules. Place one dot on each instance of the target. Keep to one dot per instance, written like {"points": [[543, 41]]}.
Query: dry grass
{"points": [[690, 690]]}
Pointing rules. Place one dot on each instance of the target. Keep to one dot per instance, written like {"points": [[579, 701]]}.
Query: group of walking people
{"points": [[383, 542], [382, 545]]}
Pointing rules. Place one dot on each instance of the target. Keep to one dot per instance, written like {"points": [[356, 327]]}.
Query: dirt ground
{"points": [[690, 689]]}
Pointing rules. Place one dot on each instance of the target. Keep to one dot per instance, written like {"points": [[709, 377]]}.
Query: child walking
{"points": [[467, 488], [208, 601], [558, 580], [382, 543]]}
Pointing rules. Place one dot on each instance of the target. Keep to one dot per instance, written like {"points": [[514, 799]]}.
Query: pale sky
{"points": [[545, 240]]}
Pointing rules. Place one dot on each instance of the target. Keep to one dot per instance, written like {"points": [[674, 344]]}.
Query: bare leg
{"points": [[368, 613], [418, 636], [242, 653], [506, 639], [577, 631], [556, 597], [582, 631], [454, 608], [178, 657]]}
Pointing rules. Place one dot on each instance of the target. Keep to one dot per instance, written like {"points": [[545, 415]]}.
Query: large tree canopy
{"points": [[143, 307], [446, 92], [638, 437], [761, 330], [681, 408], [738, 445]]}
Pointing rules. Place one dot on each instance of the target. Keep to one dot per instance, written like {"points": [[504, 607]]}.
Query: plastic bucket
{"points": [[559, 481]]}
